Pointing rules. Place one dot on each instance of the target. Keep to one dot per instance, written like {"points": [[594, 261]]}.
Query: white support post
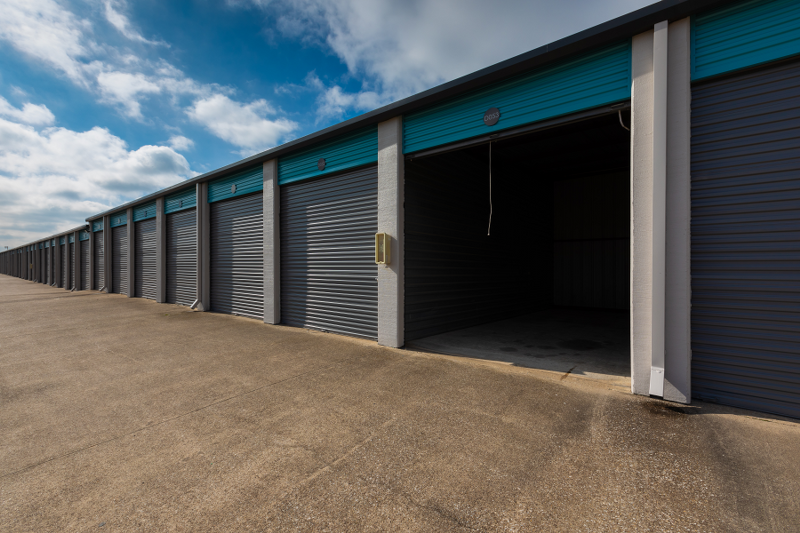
{"points": [[272, 244], [391, 190], [659, 210], [677, 329]]}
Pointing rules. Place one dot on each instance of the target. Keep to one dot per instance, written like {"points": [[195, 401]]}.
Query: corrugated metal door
{"points": [[85, 258], [328, 270], [119, 260], [746, 240], [72, 274], [49, 259], [64, 267], [145, 261], [99, 273], [182, 257], [237, 256]]}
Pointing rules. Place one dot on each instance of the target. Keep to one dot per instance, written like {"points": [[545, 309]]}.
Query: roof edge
{"points": [[607, 32]]}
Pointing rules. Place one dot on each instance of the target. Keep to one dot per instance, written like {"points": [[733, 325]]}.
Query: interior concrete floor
{"points": [[591, 343]]}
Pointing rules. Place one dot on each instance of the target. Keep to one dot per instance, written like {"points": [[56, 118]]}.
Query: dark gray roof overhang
{"points": [[609, 32]]}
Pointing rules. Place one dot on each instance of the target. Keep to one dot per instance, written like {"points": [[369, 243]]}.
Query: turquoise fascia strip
{"points": [[72, 237], [61, 241], [144, 211], [97, 225], [83, 236], [246, 182], [179, 201], [119, 219], [342, 153], [599, 78], [744, 35]]}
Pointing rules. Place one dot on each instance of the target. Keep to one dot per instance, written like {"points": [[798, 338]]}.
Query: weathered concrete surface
{"points": [[121, 414]]}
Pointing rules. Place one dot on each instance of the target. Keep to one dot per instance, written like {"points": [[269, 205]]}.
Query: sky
{"points": [[104, 101]]}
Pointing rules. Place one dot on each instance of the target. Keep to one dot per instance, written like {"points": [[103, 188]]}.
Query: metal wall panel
{"points": [[591, 247], [237, 256], [144, 211], [85, 259], [746, 240], [240, 184], [182, 257], [119, 260], [594, 79], [328, 270], [118, 219], [743, 35], [72, 274], [144, 249], [186, 199], [98, 266], [342, 153]]}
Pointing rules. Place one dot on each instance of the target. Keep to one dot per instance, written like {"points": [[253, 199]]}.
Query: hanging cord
{"points": [[489, 232], [620, 120]]}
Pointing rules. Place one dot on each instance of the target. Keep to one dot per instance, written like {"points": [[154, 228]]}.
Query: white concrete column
{"points": [[76, 265], [58, 263], [91, 257], [677, 338], [641, 279], [131, 254], [203, 248], [391, 191], [659, 230], [272, 244], [660, 213], [108, 261], [161, 252]]}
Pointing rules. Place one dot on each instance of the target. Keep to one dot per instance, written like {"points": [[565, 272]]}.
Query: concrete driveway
{"points": [[121, 414]]}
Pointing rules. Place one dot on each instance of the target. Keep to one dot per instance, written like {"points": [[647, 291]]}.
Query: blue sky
{"points": [[103, 101]]}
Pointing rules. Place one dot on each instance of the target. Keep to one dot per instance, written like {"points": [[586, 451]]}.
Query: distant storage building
{"points": [[649, 165]]}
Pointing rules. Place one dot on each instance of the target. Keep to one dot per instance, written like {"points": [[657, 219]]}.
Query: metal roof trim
{"points": [[607, 32]]}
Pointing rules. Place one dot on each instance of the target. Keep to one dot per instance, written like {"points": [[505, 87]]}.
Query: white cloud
{"points": [[181, 143], [244, 125], [126, 89], [334, 102], [400, 48], [121, 22], [37, 115], [45, 31], [54, 178]]}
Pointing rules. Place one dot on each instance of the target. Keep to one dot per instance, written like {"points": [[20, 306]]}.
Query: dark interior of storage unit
{"points": [[560, 236]]}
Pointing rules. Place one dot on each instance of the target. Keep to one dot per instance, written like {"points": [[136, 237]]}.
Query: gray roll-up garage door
{"points": [[42, 266], [746, 240], [99, 273], [182, 257], [237, 256], [85, 258], [119, 260], [64, 267], [72, 275], [328, 270], [145, 261], [49, 259]]}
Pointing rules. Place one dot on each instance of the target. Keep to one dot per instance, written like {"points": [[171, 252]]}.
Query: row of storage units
{"points": [[299, 235]]}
